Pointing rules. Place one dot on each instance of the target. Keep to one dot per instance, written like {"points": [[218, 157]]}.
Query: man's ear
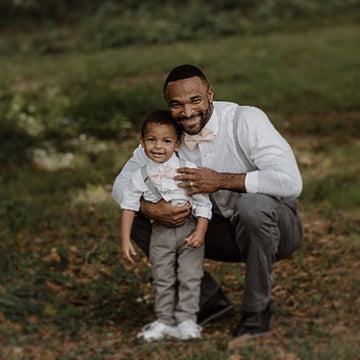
{"points": [[210, 94]]}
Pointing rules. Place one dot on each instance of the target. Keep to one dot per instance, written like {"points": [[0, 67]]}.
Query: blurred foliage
{"points": [[59, 26], [70, 119]]}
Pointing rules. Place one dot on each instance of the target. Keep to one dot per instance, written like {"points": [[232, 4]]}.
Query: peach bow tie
{"points": [[167, 171], [204, 135]]}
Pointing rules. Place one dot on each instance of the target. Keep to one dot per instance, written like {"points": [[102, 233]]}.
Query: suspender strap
{"points": [[149, 183], [239, 149], [182, 162]]}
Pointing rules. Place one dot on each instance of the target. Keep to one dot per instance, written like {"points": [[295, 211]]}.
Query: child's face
{"points": [[160, 141]]}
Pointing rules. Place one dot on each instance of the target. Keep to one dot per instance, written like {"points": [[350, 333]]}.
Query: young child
{"points": [[176, 254]]}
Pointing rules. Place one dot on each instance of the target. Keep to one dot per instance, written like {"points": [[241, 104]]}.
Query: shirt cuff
{"points": [[127, 206], [204, 212], [252, 182]]}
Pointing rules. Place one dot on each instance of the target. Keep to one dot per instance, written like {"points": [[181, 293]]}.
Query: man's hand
{"points": [[204, 180], [199, 180], [165, 213]]}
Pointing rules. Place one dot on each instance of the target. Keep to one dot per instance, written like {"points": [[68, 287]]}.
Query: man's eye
{"points": [[196, 101]]}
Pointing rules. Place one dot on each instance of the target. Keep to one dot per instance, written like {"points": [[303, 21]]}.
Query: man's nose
{"points": [[187, 111]]}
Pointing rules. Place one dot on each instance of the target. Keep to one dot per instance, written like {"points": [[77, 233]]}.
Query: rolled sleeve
{"points": [[202, 206]]}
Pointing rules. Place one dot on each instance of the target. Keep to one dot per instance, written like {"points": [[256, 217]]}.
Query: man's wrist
{"points": [[234, 182]]}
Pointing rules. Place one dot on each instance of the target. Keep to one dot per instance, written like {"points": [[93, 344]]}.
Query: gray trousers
{"points": [[177, 271], [262, 230]]}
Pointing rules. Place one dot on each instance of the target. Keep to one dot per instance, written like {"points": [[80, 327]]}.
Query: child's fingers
{"points": [[192, 243], [132, 251], [128, 253], [189, 239], [130, 259]]}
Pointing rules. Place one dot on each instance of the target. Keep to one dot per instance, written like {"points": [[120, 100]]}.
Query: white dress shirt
{"points": [[161, 175], [274, 170]]}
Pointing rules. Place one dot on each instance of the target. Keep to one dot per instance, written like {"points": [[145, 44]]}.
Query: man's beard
{"points": [[204, 118]]}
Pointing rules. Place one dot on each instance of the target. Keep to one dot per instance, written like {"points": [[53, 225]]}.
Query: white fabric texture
{"points": [[162, 177], [274, 172]]}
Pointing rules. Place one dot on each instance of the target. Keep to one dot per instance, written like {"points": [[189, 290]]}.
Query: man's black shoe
{"points": [[254, 324], [215, 308]]}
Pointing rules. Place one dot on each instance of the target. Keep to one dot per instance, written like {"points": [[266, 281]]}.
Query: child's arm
{"points": [[127, 249], [196, 239]]}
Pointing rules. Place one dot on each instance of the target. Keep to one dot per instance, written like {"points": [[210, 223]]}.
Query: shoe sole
{"points": [[217, 316]]}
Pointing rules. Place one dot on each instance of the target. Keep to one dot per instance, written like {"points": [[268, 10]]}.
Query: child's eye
{"points": [[167, 141]]}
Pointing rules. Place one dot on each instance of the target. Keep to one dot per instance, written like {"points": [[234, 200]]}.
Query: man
{"points": [[252, 177]]}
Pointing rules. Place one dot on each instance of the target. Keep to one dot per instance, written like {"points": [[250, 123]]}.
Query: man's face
{"points": [[190, 103]]}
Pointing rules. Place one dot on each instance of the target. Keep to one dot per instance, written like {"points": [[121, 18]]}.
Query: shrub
{"points": [[109, 113], [92, 24]]}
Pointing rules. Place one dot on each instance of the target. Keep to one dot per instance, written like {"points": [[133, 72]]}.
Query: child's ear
{"points": [[142, 143], [177, 145]]}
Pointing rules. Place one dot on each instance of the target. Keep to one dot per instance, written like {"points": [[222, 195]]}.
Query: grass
{"points": [[65, 294]]}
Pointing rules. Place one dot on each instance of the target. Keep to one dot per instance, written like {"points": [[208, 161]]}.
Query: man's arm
{"points": [[275, 171], [165, 213], [204, 180]]}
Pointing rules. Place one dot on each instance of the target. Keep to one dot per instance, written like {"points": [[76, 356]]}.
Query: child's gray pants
{"points": [[177, 272]]}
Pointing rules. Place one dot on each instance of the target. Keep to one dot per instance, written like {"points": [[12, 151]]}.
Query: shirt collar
{"points": [[213, 123]]}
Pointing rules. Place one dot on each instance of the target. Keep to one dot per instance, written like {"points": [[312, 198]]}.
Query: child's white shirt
{"points": [[162, 175]]}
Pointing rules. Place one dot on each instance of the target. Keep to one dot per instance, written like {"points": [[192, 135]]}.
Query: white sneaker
{"points": [[188, 329], [157, 330]]}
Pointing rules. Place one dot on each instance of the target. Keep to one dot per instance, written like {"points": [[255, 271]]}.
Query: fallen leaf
{"points": [[50, 285], [240, 341], [236, 357], [53, 257]]}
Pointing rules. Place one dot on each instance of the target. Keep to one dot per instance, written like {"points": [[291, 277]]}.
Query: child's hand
{"points": [[195, 240], [127, 251]]}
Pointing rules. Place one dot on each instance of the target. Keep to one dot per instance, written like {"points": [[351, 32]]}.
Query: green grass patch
{"points": [[69, 122]]}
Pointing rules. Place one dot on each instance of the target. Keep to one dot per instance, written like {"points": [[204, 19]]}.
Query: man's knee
{"points": [[254, 210]]}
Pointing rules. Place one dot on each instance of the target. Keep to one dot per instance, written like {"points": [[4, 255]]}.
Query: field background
{"points": [[76, 80]]}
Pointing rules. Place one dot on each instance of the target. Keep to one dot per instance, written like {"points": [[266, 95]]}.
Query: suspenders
{"points": [[239, 149], [150, 184], [292, 203]]}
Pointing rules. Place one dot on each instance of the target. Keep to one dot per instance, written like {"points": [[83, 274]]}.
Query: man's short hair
{"points": [[184, 72], [161, 117]]}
